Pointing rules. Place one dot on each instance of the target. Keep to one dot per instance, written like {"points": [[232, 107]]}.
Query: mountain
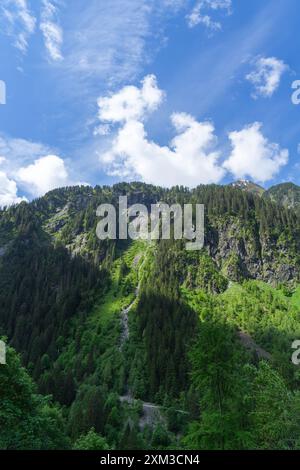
{"points": [[287, 194], [249, 186], [138, 342]]}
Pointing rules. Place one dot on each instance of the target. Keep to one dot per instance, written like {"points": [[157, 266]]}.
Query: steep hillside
{"points": [[96, 321], [287, 194]]}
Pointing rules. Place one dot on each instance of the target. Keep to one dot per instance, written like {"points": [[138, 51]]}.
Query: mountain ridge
{"points": [[65, 298]]}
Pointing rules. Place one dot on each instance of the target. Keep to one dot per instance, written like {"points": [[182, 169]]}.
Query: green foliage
{"points": [[87, 410], [27, 420], [218, 373], [161, 438], [275, 419], [41, 290], [131, 438], [287, 194], [91, 441], [270, 317], [61, 295]]}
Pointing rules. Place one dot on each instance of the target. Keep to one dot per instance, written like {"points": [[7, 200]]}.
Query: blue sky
{"points": [[165, 91]]}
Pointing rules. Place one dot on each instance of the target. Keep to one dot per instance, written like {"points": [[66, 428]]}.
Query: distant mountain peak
{"points": [[247, 185]]}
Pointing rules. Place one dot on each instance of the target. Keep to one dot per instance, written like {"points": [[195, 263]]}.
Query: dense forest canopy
{"points": [[104, 328]]}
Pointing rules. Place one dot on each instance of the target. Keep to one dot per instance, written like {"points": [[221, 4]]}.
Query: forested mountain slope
{"points": [[63, 291], [287, 194]]}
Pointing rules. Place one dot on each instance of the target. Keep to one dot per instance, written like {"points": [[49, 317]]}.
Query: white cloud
{"points": [[103, 129], [8, 191], [105, 40], [266, 75], [21, 151], [44, 174], [18, 22], [52, 32], [30, 168], [202, 13], [131, 102], [190, 158], [253, 155]]}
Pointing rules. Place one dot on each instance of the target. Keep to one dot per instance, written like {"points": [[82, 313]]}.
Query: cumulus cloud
{"points": [[43, 174], [8, 191], [202, 13], [52, 32], [190, 159], [131, 103], [29, 168], [18, 22], [253, 155], [266, 75]]}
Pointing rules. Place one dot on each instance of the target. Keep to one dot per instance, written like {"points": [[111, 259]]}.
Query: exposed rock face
{"points": [[243, 253], [60, 218], [78, 245]]}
